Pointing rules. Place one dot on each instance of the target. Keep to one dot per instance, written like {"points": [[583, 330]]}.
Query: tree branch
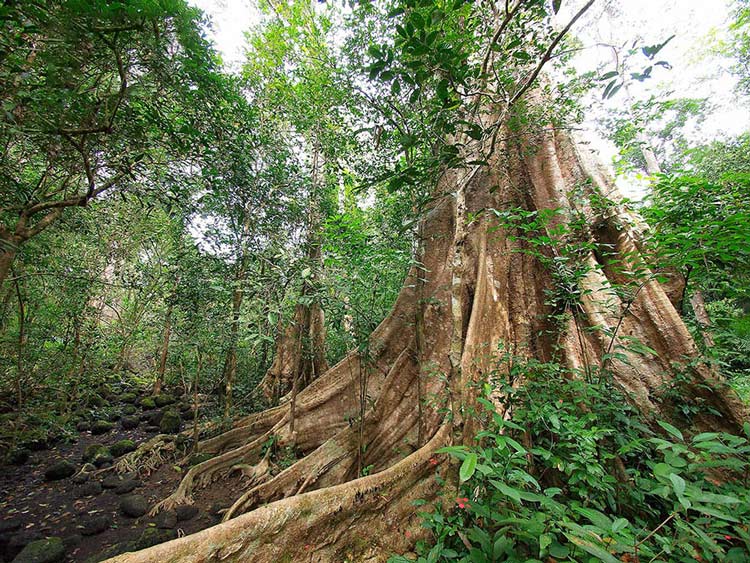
{"points": [[548, 53], [509, 14]]}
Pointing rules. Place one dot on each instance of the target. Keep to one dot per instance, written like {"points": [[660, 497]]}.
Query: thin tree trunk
{"points": [[7, 256], [196, 383], [701, 315], [230, 361], [649, 157], [159, 383], [238, 294], [21, 346]]}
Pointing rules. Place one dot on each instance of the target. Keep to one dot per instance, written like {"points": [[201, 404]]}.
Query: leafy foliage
{"points": [[598, 482]]}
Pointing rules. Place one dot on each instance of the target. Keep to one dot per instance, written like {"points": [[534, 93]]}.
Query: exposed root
{"points": [[257, 473], [149, 456], [204, 473], [319, 525], [299, 477]]}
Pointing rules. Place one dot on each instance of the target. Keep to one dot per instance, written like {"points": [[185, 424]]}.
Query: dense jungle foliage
{"points": [[165, 223]]}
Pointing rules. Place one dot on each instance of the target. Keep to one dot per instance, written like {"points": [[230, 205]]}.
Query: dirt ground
{"points": [[33, 508]]}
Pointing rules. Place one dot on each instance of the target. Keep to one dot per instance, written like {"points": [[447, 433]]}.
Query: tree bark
{"points": [[238, 293], [7, 257], [701, 315], [483, 290], [21, 347], [230, 360], [159, 383]]}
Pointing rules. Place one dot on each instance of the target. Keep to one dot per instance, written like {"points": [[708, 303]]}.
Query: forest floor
{"points": [[85, 510]]}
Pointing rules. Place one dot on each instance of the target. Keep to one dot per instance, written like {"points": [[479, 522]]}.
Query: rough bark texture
{"points": [[480, 292], [300, 353]]}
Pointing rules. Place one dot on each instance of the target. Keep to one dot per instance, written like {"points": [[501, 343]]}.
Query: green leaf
{"points": [[442, 89], [597, 518], [459, 451], [592, 549], [671, 429], [556, 5], [619, 524], [678, 484], [713, 512], [545, 540], [559, 550], [507, 491], [468, 467], [702, 437]]}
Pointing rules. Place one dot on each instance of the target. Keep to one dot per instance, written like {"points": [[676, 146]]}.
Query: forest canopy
{"points": [[371, 293]]}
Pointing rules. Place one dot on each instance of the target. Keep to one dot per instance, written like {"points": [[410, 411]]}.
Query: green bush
{"points": [[598, 483]]}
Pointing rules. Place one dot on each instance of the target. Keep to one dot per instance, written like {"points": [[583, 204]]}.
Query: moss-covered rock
{"points": [[127, 486], [129, 422], [148, 403], [97, 454], [134, 506], [164, 399], [154, 536], [96, 401], [186, 512], [101, 427], [91, 489], [154, 418], [48, 550], [170, 422], [60, 470], [94, 524], [113, 416], [122, 447], [83, 426], [128, 398], [18, 456], [91, 451], [128, 410]]}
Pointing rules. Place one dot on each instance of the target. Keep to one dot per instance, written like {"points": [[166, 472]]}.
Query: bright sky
{"points": [[229, 21], [694, 72]]}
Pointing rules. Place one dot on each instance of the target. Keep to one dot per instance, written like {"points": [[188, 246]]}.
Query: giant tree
{"points": [[572, 287]]}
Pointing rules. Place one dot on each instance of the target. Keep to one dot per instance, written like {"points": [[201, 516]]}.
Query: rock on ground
{"points": [[48, 550], [134, 506], [60, 470]]}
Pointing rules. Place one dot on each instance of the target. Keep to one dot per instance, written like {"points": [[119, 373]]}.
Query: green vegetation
{"points": [[183, 245], [598, 482]]}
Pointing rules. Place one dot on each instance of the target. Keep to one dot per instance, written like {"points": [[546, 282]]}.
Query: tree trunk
{"points": [[7, 256], [21, 347], [649, 157], [701, 315], [300, 347], [300, 353], [230, 360], [159, 383], [483, 290]]}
